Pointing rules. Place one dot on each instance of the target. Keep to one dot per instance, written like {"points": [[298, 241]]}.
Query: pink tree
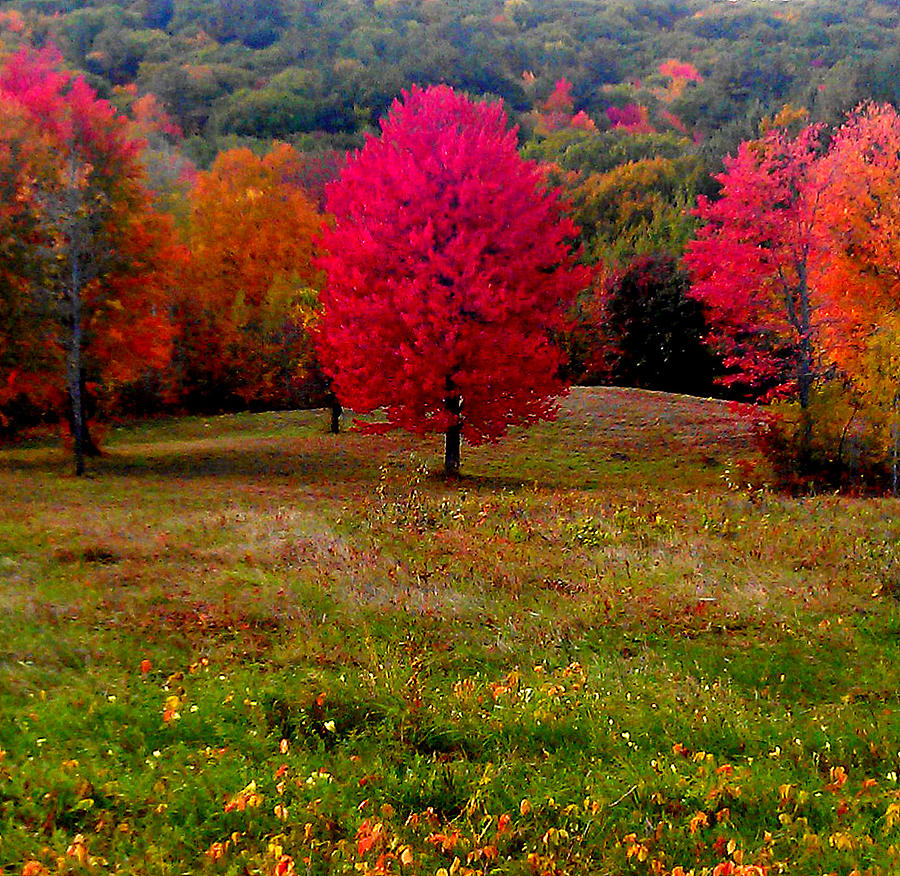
{"points": [[448, 273], [754, 263]]}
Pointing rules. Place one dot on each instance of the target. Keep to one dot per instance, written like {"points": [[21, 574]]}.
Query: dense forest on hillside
{"points": [[309, 71]]}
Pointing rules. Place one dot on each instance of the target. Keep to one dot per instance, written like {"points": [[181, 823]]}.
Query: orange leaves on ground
{"points": [[216, 851], [374, 836], [284, 866], [698, 821], [78, 850], [837, 776], [727, 868], [368, 835], [507, 685], [444, 841], [172, 708], [246, 798], [892, 816], [634, 848]]}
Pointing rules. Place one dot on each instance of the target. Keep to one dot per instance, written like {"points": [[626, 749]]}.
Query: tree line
{"points": [[445, 274]]}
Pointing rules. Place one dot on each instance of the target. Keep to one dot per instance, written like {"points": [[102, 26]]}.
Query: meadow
{"points": [[242, 645]]}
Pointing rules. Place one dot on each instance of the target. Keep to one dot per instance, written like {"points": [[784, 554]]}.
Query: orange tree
{"points": [[862, 283], [249, 290]]}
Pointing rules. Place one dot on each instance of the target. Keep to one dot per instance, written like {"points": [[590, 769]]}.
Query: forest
{"points": [[632, 109]]}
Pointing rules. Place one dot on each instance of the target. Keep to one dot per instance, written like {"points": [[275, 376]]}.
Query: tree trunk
{"points": [[805, 376], [336, 411], [895, 449], [89, 447], [74, 370], [452, 438], [802, 316]]}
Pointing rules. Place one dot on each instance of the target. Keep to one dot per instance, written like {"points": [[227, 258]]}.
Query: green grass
{"points": [[598, 652]]}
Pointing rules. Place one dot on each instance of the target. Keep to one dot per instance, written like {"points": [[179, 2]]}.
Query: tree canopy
{"points": [[448, 271]]}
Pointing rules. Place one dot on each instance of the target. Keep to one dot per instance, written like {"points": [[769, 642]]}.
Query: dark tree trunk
{"points": [[336, 411], [452, 438], [74, 372], [895, 450], [89, 447], [805, 367]]}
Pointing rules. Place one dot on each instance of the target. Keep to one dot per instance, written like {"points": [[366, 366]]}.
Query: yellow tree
{"points": [[248, 289], [638, 207]]}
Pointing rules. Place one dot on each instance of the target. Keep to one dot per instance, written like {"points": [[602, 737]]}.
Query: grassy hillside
{"points": [[243, 641]]}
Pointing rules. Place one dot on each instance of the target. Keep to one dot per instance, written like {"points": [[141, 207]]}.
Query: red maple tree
{"points": [[754, 264], [97, 273], [448, 272]]}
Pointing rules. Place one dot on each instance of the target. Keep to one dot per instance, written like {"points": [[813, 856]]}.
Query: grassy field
{"points": [[242, 645]]}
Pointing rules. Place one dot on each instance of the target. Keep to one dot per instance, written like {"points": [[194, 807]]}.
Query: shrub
{"points": [[842, 451]]}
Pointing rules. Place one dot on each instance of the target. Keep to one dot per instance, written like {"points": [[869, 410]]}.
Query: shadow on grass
{"points": [[346, 458], [257, 461], [490, 482], [185, 461]]}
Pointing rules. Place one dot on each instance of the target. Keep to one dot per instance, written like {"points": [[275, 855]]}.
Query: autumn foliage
{"points": [[754, 264], [798, 268], [556, 113], [93, 268], [448, 273], [248, 294], [859, 179]]}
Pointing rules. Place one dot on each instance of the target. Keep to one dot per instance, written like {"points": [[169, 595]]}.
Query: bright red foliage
{"points": [[673, 120], [448, 273], [556, 112], [754, 263], [632, 117], [560, 99], [682, 70]]}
